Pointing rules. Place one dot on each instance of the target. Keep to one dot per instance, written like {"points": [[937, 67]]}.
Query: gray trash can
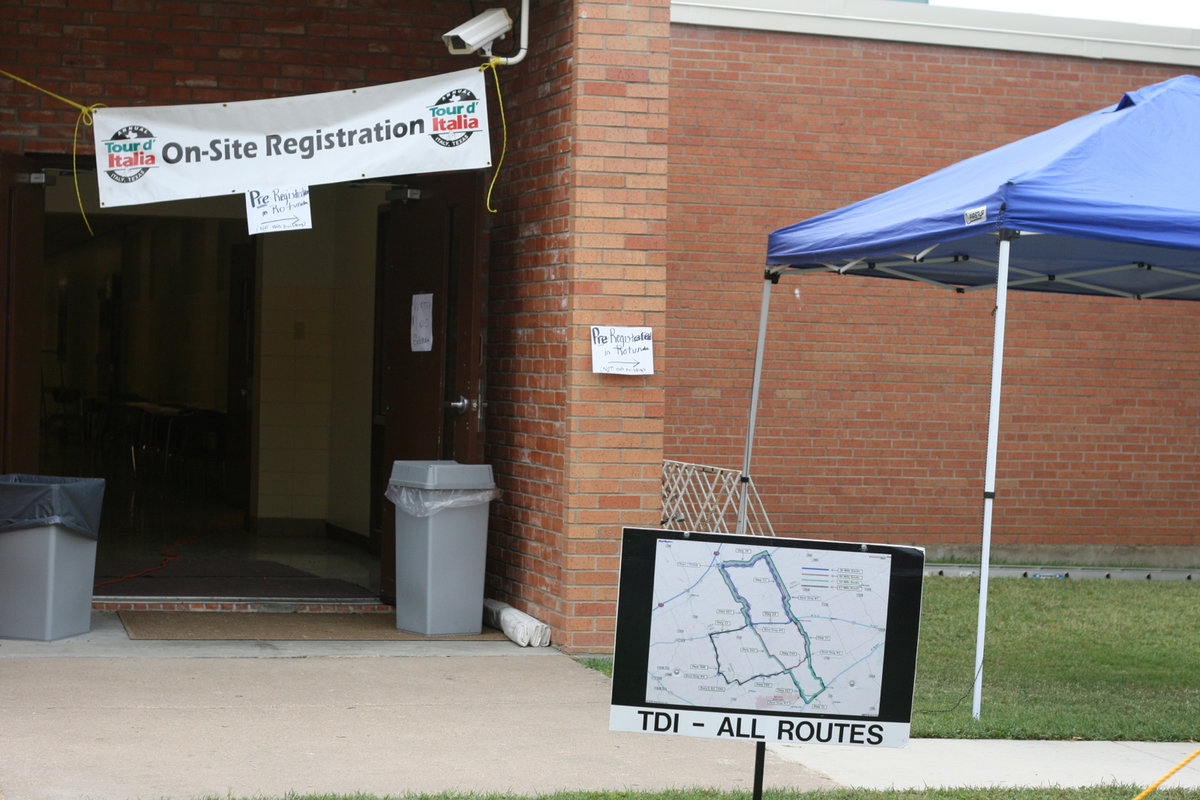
{"points": [[48, 531], [441, 544]]}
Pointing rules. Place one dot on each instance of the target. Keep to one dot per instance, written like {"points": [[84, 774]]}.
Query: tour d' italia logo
{"points": [[128, 155], [454, 117]]}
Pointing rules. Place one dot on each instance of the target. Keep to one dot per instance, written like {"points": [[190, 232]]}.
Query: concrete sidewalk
{"points": [[99, 716]]}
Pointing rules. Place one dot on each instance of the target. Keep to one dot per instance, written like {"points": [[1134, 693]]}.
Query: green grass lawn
{"points": [[1065, 659]]}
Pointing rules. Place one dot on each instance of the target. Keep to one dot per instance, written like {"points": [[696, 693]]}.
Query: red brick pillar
{"points": [[613, 423]]}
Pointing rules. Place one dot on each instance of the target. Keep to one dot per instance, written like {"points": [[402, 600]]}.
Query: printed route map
{"points": [[767, 628]]}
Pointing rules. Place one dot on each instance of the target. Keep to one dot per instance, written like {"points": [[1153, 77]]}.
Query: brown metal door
{"points": [[22, 217], [428, 401]]}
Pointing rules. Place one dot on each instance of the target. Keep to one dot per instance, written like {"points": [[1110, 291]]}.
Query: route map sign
{"points": [[766, 639]]}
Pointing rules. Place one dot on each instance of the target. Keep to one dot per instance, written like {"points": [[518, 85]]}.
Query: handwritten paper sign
{"points": [[284, 208], [622, 351], [422, 323]]}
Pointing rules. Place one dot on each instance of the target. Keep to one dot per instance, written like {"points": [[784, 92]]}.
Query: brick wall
{"points": [[874, 409], [527, 324], [614, 433], [875, 399], [583, 451], [140, 52], [137, 52]]}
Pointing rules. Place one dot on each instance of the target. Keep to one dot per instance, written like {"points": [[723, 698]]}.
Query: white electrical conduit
{"points": [[516, 625], [524, 39]]}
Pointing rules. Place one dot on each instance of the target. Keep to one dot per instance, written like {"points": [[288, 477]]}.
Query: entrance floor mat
{"points": [[217, 578], [280, 627]]}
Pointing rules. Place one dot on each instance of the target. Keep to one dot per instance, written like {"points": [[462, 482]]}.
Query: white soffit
{"points": [[896, 21]]}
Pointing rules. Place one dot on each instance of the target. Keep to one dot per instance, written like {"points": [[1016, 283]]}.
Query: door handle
{"points": [[460, 405]]}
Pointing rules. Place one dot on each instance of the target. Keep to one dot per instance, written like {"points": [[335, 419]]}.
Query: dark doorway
{"points": [[429, 316], [111, 371], [134, 385], [240, 381], [21, 203], [148, 367]]}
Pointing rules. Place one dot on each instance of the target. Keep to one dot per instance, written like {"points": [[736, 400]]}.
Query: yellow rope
{"points": [[1159, 782], [504, 127], [85, 116]]}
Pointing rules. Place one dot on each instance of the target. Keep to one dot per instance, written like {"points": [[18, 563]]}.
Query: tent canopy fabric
{"points": [[1108, 203]]}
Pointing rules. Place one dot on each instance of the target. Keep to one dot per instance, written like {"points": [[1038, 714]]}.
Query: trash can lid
{"points": [[442, 475]]}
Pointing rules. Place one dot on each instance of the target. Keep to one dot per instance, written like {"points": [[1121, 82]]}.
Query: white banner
{"points": [[156, 153]]}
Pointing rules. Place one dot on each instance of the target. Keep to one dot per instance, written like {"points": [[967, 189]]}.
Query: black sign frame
{"points": [[632, 653]]}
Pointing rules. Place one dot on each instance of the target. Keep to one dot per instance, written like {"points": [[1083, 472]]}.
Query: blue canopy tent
{"points": [[1105, 204]]}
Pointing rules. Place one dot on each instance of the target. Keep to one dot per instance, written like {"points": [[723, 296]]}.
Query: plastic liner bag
{"points": [[418, 502], [36, 501], [518, 626]]}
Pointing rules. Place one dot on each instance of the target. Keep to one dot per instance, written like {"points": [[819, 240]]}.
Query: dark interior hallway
{"points": [[168, 529]]}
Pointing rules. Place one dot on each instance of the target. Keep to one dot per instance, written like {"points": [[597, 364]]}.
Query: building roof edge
{"points": [[952, 27]]}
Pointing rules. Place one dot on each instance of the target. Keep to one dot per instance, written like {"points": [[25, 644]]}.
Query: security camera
{"points": [[478, 33]]}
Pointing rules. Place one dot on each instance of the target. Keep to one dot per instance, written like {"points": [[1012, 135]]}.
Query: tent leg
{"points": [[769, 280], [989, 478]]}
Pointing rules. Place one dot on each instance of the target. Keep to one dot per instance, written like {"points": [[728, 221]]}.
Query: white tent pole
{"points": [[989, 477], [769, 280]]}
